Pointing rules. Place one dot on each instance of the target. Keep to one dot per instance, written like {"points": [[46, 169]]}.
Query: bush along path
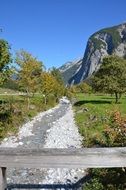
{"points": [[54, 128]]}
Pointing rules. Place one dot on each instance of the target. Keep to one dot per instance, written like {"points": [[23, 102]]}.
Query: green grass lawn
{"points": [[101, 103], [92, 113]]}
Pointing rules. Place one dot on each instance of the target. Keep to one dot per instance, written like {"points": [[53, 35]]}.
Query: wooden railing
{"points": [[60, 158]]}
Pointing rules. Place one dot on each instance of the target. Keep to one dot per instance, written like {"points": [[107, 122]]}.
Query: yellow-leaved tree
{"points": [[47, 85], [29, 73], [50, 86]]}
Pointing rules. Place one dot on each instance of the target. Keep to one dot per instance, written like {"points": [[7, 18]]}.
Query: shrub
{"points": [[93, 184], [115, 130]]}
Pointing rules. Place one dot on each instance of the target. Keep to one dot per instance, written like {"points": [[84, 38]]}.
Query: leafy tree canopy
{"points": [[56, 73], [29, 71], [111, 77], [48, 83], [50, 86]]}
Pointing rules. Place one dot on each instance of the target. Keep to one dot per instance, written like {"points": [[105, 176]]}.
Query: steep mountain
{"points": [[69, 69], [102, 43]]}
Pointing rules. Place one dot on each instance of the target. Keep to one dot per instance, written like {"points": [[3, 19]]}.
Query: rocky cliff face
{"points": [[102, 43]]}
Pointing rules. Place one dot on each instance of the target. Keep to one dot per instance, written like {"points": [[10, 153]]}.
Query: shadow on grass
{"points": [[74, 186], [111, 98], [79, 103], [5, 101]]}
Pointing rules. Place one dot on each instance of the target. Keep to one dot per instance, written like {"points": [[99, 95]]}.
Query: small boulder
{"points": [[85, 109]]}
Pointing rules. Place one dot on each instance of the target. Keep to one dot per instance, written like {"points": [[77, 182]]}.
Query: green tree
{"points": [[50, 86], [59, 85], [111, 77], [59, 90], [11, 84], [29, 72], [5, 59], [56, 73], [47, 85], [83, 87]]}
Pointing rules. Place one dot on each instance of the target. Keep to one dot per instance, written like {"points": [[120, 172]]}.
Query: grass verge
{"points": [[93, 113]]}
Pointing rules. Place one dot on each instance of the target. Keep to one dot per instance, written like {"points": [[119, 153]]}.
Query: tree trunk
{"points": [[28, 99], [28, 102], [117, 98], [45, 98]]}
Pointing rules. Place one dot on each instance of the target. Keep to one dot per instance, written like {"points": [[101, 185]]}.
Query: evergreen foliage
{"points": [[5, 59]]}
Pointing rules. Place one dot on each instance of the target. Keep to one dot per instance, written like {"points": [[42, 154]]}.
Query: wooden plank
{"points": [[63, 158], [3, 182]]}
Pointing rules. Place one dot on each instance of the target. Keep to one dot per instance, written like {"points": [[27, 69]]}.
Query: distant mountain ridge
{"points": [[69, 69], [105, 42]]}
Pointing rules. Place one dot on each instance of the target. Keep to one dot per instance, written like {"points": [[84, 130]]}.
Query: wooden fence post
{"points": [[3, 182]]}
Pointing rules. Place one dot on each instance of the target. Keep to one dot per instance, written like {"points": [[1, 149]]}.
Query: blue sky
{"points": [[56, 31]]}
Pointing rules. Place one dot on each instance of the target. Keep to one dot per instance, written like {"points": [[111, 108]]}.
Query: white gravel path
{"points": [[63, 133]]}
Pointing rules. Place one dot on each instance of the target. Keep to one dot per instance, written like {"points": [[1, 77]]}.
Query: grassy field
{"points": [[92, 113]]}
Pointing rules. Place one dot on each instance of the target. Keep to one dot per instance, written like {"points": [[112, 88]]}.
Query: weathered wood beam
{"points": [[63, 158]]}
